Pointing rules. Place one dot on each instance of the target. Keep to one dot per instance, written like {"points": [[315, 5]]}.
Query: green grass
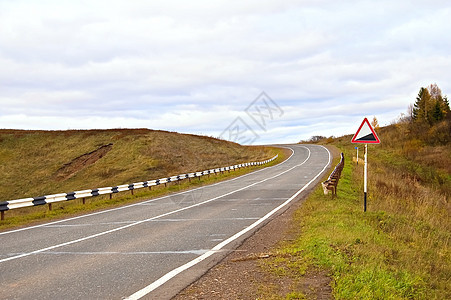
{"points": [[31, 215], [399, 249]]}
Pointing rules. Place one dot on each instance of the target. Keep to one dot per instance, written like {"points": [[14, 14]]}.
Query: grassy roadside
{"points": [[37, 163], [399, 249], [32, 215]]}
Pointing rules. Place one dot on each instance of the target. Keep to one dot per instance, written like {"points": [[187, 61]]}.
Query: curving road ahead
{"points": [[155, 248]]}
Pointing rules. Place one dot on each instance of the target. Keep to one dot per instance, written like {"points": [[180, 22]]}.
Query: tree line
{"points": [[430, 116], [430, 107]]}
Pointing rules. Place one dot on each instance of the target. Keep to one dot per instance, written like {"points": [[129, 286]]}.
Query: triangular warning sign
{"points": [[365, 134]]}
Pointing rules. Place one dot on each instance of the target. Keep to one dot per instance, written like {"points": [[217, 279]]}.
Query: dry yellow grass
{"points": [[31, 161], [401, 247]]}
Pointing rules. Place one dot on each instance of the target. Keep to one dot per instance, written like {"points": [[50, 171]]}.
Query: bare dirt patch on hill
{"points": [[77, 164]]}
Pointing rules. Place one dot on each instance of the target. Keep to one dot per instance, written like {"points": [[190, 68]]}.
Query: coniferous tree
{"points": [[416, 105], [447, 109], [430, 106], [431, 116], [437, 114], [420, 106]]}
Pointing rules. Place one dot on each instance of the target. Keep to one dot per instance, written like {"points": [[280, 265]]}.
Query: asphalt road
{"points": [[154, 248]]}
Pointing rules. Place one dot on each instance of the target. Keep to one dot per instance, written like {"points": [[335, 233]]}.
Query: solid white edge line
{"points": [[154, 285], [149, 219], [143, 202]]}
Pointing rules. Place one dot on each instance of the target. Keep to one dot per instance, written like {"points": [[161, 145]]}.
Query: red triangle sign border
{"points": [[365, 121]]}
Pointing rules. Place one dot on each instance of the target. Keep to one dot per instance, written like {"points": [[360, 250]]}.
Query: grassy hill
{"points": [[401, 247], [36, 163]]}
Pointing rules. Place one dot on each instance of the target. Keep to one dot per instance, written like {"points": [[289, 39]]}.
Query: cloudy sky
{"points": [[270, 71]]}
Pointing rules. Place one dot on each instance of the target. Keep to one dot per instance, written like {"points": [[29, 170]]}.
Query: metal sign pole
{"points": [[365, 177], [357, 155]]}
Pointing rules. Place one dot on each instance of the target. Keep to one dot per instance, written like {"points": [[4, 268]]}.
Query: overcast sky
{"points": [[201, 66]]}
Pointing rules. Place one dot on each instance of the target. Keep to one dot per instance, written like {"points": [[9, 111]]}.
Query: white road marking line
{"points": [[145, 202], [88, 224], [208, 219], [253, 199], [129, 222], [143, 292], [194, 252], [150, 219]]}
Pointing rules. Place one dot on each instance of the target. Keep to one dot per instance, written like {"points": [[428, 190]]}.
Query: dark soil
{"points": [[77, 164]]}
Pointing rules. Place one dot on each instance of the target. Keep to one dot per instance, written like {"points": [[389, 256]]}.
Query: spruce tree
{"points": [[430, 106], [437, 114], [419, 112]]}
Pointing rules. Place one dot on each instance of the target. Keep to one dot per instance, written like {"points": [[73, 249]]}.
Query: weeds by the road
{"points": [[399, 249]]}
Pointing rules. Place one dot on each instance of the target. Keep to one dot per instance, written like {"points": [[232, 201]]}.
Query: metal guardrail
{"points": [[331, 183], [49, 199]]}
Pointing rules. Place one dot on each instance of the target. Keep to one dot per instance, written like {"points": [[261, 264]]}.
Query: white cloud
{"points": [[195, 66]]}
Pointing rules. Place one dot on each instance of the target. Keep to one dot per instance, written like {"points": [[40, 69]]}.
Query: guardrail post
{"points": [[3, 215], [84, 200], [50, 206], [111, 196]]}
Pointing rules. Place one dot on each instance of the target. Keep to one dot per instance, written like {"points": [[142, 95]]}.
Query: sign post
{"points": [[357, 148], [365, 177], [365, 135]]}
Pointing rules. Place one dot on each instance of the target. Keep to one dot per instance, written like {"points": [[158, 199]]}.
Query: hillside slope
{"points": [[35, 163], [401, 247]]}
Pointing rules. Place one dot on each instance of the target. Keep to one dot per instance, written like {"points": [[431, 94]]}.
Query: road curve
{"points": [[155, 248]]}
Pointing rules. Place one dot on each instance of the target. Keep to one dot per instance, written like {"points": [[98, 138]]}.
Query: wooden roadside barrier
{"points": [[331, 183]]}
